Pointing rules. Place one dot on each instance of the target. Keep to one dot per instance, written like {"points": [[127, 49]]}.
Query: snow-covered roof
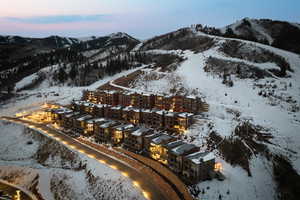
{"points": [[116, 107], [88, 104], [154, 135], [128, 108], [160, 112], [111, 92], [136, 110], [95, 120], [63, 110], [123, 127], [199, 157], [173, 144], [146, 94], [185, 114], [140, 131], [72, 114], [170, 114], [84, 117], [182, 148], [108, 124], [79, 102], [146, 111], [191, 97], [160, 139]]}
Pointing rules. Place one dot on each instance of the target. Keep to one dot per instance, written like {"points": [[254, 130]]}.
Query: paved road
{"points": [[149, 188], [12, 190]]}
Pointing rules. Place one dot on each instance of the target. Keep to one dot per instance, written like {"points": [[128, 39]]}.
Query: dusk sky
{"points": [[140, 18]]}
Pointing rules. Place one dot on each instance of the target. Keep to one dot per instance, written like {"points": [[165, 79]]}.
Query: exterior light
{"points": [[218, 167]]}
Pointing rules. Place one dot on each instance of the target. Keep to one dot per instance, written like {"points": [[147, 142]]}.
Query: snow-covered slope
{"points": [[29, 160], [265, 100], [280, 34]]}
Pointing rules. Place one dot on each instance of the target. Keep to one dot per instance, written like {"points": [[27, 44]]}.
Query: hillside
{"points": [[86, 59], [253, 121], [280, 34]]}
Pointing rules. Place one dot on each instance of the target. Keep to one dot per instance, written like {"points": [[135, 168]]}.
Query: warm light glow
{"points": [[136, 184], [124, 174], [81, 151], [146, 195], [113, 167], [218, 167], [91, 156], [18, 195], [102, 161]]}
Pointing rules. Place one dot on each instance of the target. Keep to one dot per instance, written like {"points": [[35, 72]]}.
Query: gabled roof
{"points": [[160, 139], [116, 108], [139, 131], [123, 127], [108, 124], [182, 149], [62, 110], [72, 114], [173, 144], [84, 117], [96, 120], [185, 114], [199, 157], [154, 135]]}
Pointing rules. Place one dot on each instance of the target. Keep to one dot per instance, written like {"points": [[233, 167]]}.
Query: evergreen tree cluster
{"points": [[31, 64]]}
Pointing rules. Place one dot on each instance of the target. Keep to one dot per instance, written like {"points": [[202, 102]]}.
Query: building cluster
{"points": [[177, 103], [120, 126], [155, 118]]}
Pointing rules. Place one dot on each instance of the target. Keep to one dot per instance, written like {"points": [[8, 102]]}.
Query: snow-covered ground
{"points": [[19, 164], [242, 97], [63, 94]]}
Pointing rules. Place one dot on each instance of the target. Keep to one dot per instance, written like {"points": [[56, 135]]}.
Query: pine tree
{"points": [[73, 72], [62, 75]]}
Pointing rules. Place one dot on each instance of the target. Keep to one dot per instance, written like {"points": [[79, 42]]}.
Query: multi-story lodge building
{"points": [[176, 155], [117, 133], [190, 104], [133, 138], [156, 146], [171, 121], [92, 125], [80, 124], [103, 135], [198, 166], [165, 148]]}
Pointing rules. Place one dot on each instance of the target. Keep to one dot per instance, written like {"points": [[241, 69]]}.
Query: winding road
{"points": [[149, 186], [15, 191]]}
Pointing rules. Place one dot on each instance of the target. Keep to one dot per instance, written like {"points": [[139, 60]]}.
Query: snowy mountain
{"points": [[21, 57], [252, 89], [279, 34]]}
